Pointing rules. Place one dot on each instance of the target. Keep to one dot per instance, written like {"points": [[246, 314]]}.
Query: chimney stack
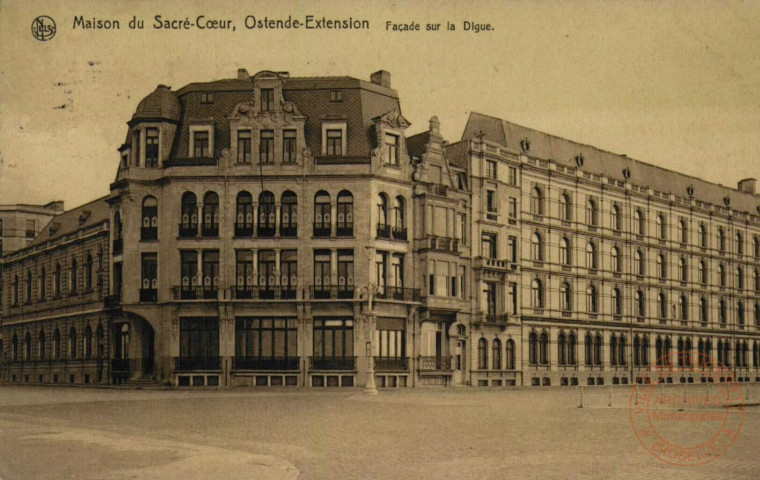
{"points": [[243, 74], [382, 78], [747, 186]]}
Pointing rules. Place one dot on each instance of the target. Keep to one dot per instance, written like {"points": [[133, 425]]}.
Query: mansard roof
{"points": [[611, 165], [161, 104]]}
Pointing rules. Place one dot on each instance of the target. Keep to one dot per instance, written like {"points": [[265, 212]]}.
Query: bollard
{"points": [[609, 404], [580, 389]]}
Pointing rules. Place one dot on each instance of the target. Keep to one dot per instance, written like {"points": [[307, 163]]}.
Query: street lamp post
{"points": [[370, 290]]}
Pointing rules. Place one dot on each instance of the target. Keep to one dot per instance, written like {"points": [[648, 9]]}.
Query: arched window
{"points": [[702, 272], [684, 231], [658, 351], [640, 221], [536, 201], [662, 228], [510, 355], [210, 226], [345, 214], [117, 226], [592, 213], [589, 348], [617, 302], [598, 344], [666, 352], [703, 310], [739, 243], [382, 209], [683, 307], [482, 354], [662, 304], [322, 220], [645, 351], [757, 314], [565, 296], [621, 350], [757, 279], [189, 220], [591, 256], [149, 228], [88, 273], [687, 352], [57, 281], [565, 207], [613, 350], [722, 274], [289, 214], [244, 214], [565, 257], [571, 349], [537, 293], [496, 354], [640, 301], [27, 347], [640, 262], [28, 286], [703, 235], [683, 269], [662, 266], [722, 312], [537, 247], [73, 343], [43, 284], [756, 247], [740, 278], [41, 346], [533, 348], [57, 344], [99, 341], [680, 352], [636, 351], [87, 342], [721, 239], [73, 276], [740, 313], [543, 349], [616, 218], [592, 299], [561, 349], [267, 215], [617, 263], [399, 218]]}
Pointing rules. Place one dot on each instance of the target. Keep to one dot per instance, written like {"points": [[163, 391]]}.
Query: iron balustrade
{"points": [[443, 244], [345, 229], [210, 230], [322, 229], [265, 231], [332, 363], [266, 363], [148, 233], [263, 292], [399, 233], [383, 230], [391, 363], [148, 295], [195, 293], [243, 230], [190, 364], [329, 292], [188, 230], [399, 293], [435, 363], [289, 231]]}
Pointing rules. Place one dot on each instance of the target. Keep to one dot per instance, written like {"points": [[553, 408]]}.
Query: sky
{"points": [[672, 83]]}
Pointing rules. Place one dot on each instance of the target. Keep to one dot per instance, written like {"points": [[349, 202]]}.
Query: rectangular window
{"points": [[512, 246], [490, 201], [462, 273], [489, 297], [210, 269], [336, 96], [267, 279], [462, 228], [345, 273], [391, 147], [151, 147], [244, 272], [442, 278], [207, 97], [31, 228], [491, 169], [149, 286], [267, 99], [512, 207], [266, 146], [397, 270], [513, 295], [201, 145], [488, 245], [289, 272], [289, 146], [136, 140], [512, 176], [259, 338], [334, 143], [333, 338], [389, 339], [244, 146], [381, 269], [321, 269], [199, 343]]}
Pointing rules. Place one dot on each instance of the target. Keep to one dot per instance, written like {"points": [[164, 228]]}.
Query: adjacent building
{"points": [[271, 230], [20, 224]]}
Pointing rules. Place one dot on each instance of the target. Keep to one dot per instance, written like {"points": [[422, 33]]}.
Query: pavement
{"points": [[82, 433]]}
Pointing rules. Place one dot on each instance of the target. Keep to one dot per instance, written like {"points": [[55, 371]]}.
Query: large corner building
{"points": [[278, 231]]}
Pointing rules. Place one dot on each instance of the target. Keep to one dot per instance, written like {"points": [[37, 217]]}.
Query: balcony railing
{"points": [[195, 293], [118, 246], [266, 363], [383, 230], [148, 295], [443, 244], [321, 229], [265, 231], [399, 293], [327, 292], [289, 230], [148, 233], [191, 364], [391, 363], [243, 230], [188, 230], [345, 229], [399, 233], [263, 292], [435, 363], [491, 263], [332, 363], [210, 230]]}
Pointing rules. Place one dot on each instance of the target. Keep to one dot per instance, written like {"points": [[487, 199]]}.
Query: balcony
{"points": [[345, 229], [118, 246], [491, 264], [399, 293], [437, 189], [391, 364], [148, 234], [332, 363], [148, 295], [435, 363], [289, 230], [195, 293], [441, 244], [266, 363], [188, 230], [331, 292], [399, 233], [194, 364], [321, 229], [263, 292], [210, 230], [243, 229], [383, 230], [265, 231]]}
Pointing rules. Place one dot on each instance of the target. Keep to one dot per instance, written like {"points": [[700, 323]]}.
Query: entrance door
{"points": [[459, 359], [122, 344]]}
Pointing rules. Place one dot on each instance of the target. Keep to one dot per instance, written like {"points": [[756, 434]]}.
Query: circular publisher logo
{"points": [[687, 424], [43, 28]]}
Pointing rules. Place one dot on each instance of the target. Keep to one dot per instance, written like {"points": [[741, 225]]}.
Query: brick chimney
{"points": [[748, 186], [242, 74], [382, 78]]}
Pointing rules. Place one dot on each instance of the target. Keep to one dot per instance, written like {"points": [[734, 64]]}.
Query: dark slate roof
{"points": [[602, 162], [68, 222], [458, 154], [161, 103], [417, 144]]}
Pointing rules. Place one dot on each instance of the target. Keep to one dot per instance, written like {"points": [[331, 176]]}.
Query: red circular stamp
{"points": [[687, 422]]}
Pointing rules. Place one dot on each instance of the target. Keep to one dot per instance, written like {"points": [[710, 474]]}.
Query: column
{"points": [[277, 207], [255, 219], [333, 266], [277, 266], [255, 267], [333, 218]]}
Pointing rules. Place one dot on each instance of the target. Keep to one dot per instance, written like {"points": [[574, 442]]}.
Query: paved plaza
{"points": [[61, 433]]}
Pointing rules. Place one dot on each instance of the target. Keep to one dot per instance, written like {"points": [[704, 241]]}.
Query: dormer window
{"points": [[336, 96], [201, 140], [151, 147], [200, 144], [334, 143], [207, 97], [267, 99], [391, 146]]}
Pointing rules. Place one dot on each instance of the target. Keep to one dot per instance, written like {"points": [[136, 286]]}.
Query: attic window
{"points": [[336, 96], [207, 97], [53, 228]]}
